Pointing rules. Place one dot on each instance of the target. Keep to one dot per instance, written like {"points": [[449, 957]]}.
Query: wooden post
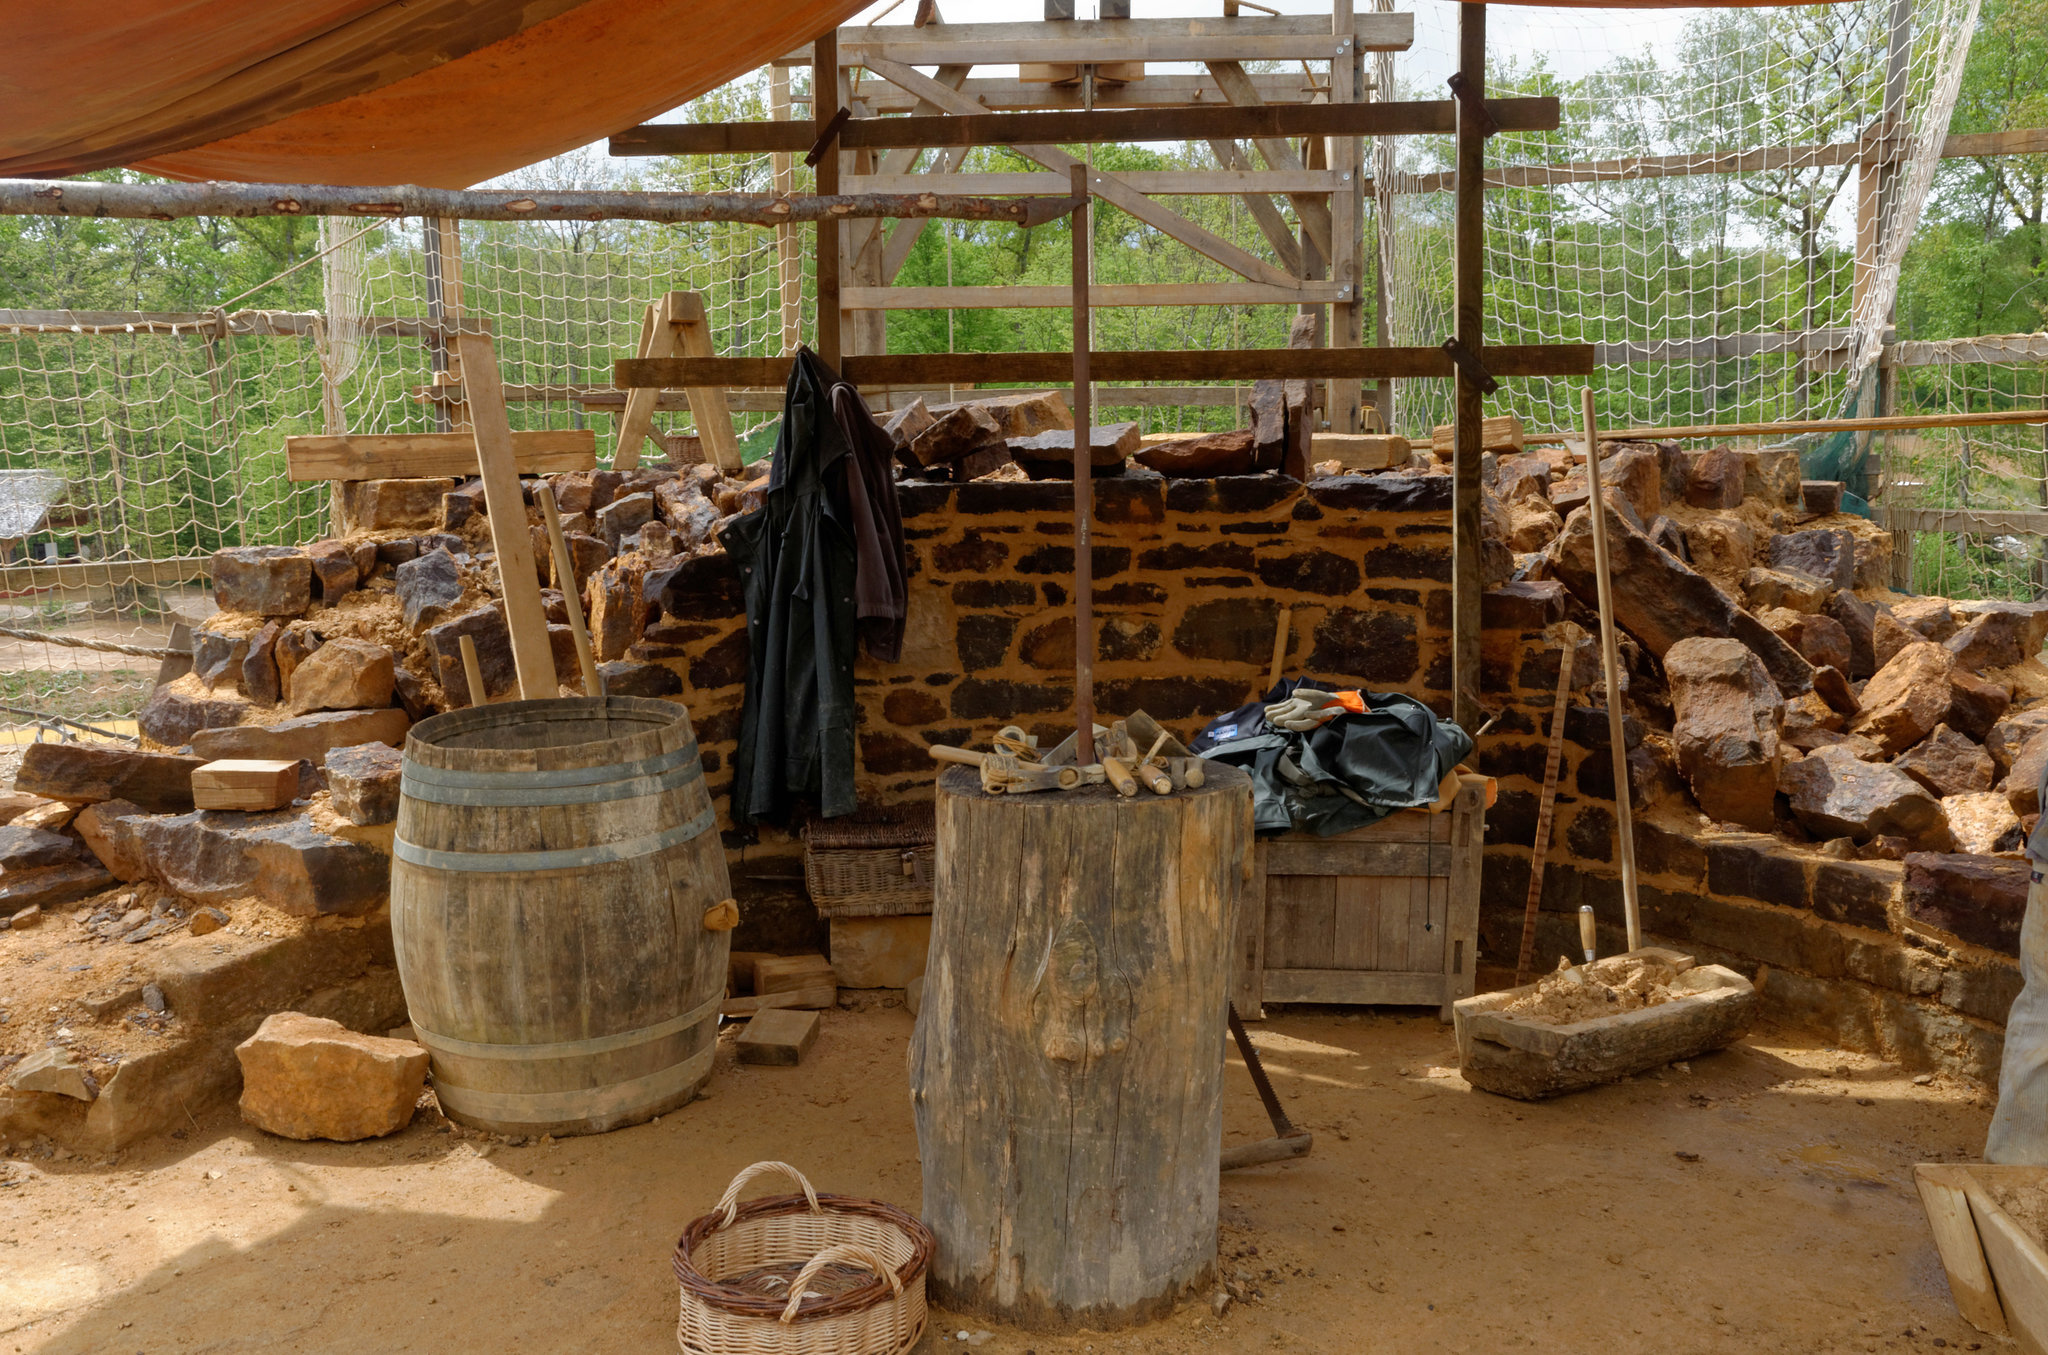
{"points": [[789, 264], [824, 103], [532, 655], [1610, 672], [1347, 316], [1383, 228], [1084, 484], [1469, 269], [1066, 1070]]}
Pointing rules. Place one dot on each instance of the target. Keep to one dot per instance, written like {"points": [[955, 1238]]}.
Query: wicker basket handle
{"points": [[842, 1251], [728, 1203]]}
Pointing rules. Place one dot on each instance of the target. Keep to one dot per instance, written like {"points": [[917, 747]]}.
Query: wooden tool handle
{"points": [[1119, 776], [565, 575], [1588, 936], [472, 670], [966, 757], [1155, 778], [1191, 771]]}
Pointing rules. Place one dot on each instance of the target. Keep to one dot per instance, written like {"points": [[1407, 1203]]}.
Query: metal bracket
{"points": [[826, 137], [1473, 105], [1469, 366]]}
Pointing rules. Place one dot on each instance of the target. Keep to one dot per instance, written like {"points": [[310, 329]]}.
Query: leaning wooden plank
{"points": [[1279, 154], [708, 409], [245, 783], [1265, 215], [1944, 1194], [525, 616], [817, 999], [2021, 1270], [404, 456], [636, 420]]}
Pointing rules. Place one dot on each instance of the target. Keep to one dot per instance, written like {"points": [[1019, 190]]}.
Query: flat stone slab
{"points": [[779, 1036], [220, 856], [1530, 1060], [86, 773], [306, 736]]}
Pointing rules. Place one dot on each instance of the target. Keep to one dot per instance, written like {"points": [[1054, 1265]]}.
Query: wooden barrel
{"points": [[554, 866], [1067, 1068]]}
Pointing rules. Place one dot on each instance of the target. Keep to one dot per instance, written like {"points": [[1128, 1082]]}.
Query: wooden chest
{"points": [[1388, 913]]}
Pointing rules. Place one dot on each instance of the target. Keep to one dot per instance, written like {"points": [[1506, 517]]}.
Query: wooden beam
{"points": [[1105, 186], [709, 413], [1964, 521], [19, 579], [972, 126], [1391, 33], [896, 165], [1182, 182], [1155, 91], [1314, 213], [1468, 273], [525, 617], [1786, 427], [825, 75], [402, 456], [1266, 216], [1279, 364], [201, 324], [1124, 294]]}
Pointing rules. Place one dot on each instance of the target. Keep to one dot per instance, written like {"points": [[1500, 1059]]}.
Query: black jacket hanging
{"points": [[796, 558]]}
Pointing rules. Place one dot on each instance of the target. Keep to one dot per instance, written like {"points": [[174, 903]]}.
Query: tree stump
{"points": [[1067, 1067]]}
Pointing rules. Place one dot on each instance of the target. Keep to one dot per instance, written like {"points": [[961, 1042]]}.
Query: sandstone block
{"points": [[429, 588], [1983, 822], [177, 710], [395, 505], [306, 736], [1836, 794], [1771, 476], [1930, 617], [334, 570], [98, 825], [343, 674], [84, 773], [879, 952], [1825, 552], [1792, 589], [778, 1037], [487, 630], [260, 680], [1722, 546], [1531, 524], [27, 848], [2022, 784], [2032, 616], [53, 1070], [951, 435], [907, 422], [1050, 455], [1727, 712], [1821, 497], [362, 782], [1978, 899], [1990, 640], [217, 857], [1023, 414], [1523, 606], [218, 657], [462, 503], [2012, 734], [1858, 620], [1203, 457], [618, 607], [625, 677], [1976, 704], [622, 517], [308, 1078], [1820, 639], [294, 646], [50, 886], [1948, 763], [1889, 635], [588, 553], [1714, 479], [263, 580], [1911, 695]]}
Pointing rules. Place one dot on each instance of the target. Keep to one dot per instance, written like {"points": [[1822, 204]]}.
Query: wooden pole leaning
{"points": [[533, 658], [572, 591], [472, 671], [1084, 486], [1610, 671], [1468, 268]]}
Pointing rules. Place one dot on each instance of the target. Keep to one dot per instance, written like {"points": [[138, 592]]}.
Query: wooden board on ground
{"points": [[408, 456], [1945, 1192], [740, 968], [245, 783], [817, 999], [779, 1036], [1502, 433], [787, 973]]}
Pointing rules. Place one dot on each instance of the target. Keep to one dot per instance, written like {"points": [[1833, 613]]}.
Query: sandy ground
{"points": [[1429, 1217]]}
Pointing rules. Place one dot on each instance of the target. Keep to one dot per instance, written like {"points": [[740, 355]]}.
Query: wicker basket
{"points": [[871, 867], [805, 1274]]}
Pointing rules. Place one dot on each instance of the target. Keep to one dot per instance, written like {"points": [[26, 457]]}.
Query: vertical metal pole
{"points": [[1468, 246], [1084, 487], [824, 103], [1610, 670]]}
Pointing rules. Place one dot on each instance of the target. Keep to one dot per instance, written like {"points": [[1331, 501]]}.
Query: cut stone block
{"points": [[1948, 763], [305, 736], [263, 580], [304, 1077], [779, 1037], [626, 677], [1983, 822], [177, 710], [1821, 497], [428, 589], [343, 674], [1050, 456], [1979, 899], [1725, 732], [96, 824], [362, 782], [1825, 552], [793, 973], [52, 1070], [880, 952], [960, 430], [395, 505], [1204, 457], [1836, 794], [1714, 479], [83, 773], [279, 857]]}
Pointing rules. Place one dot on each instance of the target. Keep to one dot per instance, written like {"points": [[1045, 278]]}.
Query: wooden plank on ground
{"points": [[1944, 1194], [525, 616], [401, 456], [818, 998], [788, 973], [778, 1037]]}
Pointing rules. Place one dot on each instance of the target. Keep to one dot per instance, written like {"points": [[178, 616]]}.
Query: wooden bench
{"points": [[1388, 913]]}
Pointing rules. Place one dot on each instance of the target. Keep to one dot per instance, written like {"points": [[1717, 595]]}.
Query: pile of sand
{"points": [[1605, 988]]}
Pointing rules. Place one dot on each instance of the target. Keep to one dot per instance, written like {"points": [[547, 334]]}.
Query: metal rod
{"points": [[1084, 487], [1610, 669]]}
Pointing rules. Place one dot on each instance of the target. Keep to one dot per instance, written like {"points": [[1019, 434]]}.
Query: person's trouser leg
{"points": [[2019, 1127]]}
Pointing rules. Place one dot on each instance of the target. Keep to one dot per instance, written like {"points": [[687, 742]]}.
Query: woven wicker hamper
{"points": [[783, 1274], [871, 866]]}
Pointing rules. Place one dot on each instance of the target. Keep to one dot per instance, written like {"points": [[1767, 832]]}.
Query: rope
{"points": [[104, 646]]}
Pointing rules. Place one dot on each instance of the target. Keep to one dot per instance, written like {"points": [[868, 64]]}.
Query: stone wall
{"points": [[1190, 578]]}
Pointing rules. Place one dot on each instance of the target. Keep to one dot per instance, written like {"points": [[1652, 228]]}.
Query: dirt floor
{"points": [[1761, 1201]]}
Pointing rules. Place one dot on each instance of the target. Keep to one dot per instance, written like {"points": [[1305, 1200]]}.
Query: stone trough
{"points": [[1530, 1060]]}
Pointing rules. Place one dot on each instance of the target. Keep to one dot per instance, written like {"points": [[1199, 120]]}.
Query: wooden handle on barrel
{"points": [[472, 670]]}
